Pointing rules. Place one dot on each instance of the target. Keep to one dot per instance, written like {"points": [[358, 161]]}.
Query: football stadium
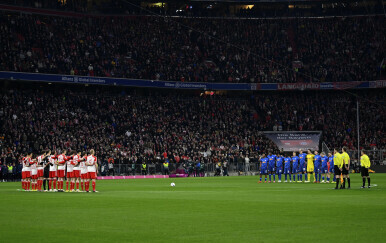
{"points": [[192, 121]]}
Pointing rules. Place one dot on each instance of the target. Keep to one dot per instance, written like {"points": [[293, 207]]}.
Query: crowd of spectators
{"points": [[196, 49], [133, 126]]}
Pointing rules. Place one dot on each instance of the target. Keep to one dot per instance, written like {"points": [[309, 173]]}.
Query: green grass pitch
{"points": [[222, 209]]}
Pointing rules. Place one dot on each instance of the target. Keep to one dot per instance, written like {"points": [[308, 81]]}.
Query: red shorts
{"points": [[84, 176], [23, 175], [52, 174], [70, 174], [91, 175], [61, 173], [40, 173], [34, 177], [77, 173], [27, 174]]}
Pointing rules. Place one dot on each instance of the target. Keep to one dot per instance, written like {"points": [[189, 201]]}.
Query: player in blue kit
{"points": [[324, 167], [317, 167], [263, 167], [287, 168], [295, 167], [331, 167], [279, 167], [302, 165], [271, 166]]}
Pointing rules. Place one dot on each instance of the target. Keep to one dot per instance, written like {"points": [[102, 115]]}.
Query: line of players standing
{"points": [[54, 168], [321, 166]]}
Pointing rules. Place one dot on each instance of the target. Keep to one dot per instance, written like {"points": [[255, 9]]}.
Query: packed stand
{"points": [[223, 50], [137, 126]]}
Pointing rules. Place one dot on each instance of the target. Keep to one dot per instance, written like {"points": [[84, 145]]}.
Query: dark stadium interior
{"points": [[188, 41], [192, 121]]}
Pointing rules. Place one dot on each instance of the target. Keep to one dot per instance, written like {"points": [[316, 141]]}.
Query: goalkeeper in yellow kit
{"points": [[310, 165]]}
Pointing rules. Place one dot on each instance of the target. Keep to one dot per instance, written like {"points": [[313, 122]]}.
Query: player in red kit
{"points": [[61, 162], [34, 173], [40, 159], [29, 171], [70, 173], [53, 173], [83, 172], [92, 168], [26, 172], [23, 180], [76, 159]]}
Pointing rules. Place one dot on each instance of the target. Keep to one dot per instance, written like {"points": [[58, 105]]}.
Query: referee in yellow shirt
{"points": [[346, 168], [365, 165], [338, 165]]}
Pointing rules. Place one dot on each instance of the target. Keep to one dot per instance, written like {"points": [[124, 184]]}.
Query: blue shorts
{"points": [[263, 171], [287, 171], [279, 170], [332, 169], [271, 169], [295, 170], [317, 170], [324, 170]]}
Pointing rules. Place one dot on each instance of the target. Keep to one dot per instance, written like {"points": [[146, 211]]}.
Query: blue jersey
{"points": [[295, 162], [264, 163], [317, 161], [324, 161], [287, 163], [272, 160], [279, 162], [302, 159], [331, 160]]}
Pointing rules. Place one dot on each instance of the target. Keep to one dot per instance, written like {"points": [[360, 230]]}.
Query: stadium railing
{"points": [[377, 158]]}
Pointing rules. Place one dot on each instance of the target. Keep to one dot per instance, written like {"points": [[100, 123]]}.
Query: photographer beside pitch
{"points": [[365, 165]]}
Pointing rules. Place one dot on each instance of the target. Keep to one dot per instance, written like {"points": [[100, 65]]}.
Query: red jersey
{"points": [[91, 163], [75, 162], [62, 162], [27, 164]]}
